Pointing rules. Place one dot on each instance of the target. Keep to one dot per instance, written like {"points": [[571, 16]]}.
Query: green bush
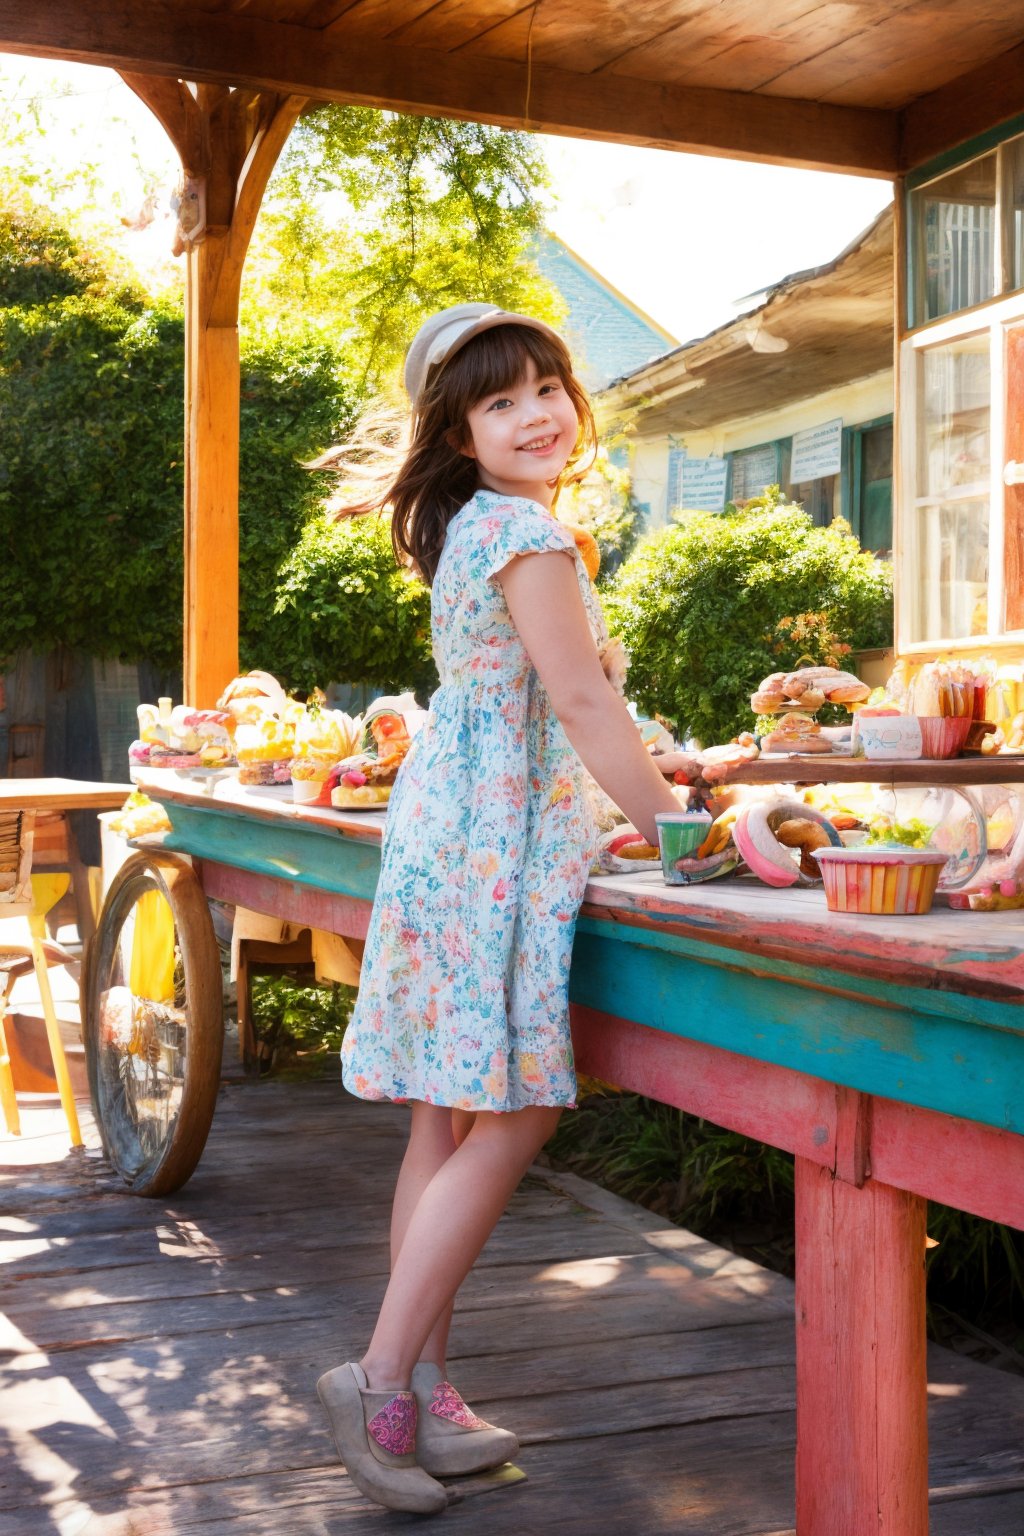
{"points": [[91, 478], [91, 382], [345, 611], [701, 604]]}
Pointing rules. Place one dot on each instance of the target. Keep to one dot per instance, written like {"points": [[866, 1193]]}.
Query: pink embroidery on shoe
{"points": [[394, 1426], [446, 1403]]}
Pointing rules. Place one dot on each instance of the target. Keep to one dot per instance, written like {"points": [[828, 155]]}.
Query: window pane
{"points": [[1014, 152], [953, 412], [948, 579], [946, 576], [753, 469], [817, 497], [877, 454], [874, 523], [954, 228]]}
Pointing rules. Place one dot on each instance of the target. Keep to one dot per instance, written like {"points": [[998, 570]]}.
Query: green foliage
{"points": [[294, 403], [289, 1017], [689, 1170], [373, 221], [699, 607], [90, 478], [977, 1268], [40, 259], [345, 610], [91, 465]]}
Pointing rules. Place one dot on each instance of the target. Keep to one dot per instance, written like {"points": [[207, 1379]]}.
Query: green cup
{"points": [[680, 834]]}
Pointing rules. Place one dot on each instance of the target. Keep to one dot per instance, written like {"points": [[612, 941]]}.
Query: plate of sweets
{"points": [[364, 780], [789, 703]]}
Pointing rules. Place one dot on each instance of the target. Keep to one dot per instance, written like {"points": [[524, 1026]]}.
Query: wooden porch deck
{"points": [[160, 1356]]}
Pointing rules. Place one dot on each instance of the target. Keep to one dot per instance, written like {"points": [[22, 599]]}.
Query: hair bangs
{"points": [[500, 358]]}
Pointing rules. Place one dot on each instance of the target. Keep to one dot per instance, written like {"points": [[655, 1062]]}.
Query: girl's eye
{"points": [[549, 389], [498, 404]]}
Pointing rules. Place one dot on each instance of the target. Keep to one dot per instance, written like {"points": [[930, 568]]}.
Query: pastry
{"points": [[252, 696]]}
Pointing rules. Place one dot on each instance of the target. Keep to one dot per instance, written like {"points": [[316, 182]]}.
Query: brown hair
{"points": [[435, 479]]}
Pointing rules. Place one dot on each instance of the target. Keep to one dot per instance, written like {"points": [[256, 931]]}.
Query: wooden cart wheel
{"points": [[154, 1022]]}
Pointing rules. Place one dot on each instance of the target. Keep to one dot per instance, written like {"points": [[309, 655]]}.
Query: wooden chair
{"points": [[27, 896]]}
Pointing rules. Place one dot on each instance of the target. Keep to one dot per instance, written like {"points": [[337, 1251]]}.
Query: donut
{"points": [[755, 836], [767, 702], [812, 698]]}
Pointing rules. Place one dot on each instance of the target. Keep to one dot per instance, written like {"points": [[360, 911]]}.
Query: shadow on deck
{"points": [[161, 1356]]}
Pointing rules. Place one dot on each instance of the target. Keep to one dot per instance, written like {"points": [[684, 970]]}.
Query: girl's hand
{"points": [[670, 763]]}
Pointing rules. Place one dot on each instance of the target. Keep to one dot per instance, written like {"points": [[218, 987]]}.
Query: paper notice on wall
{"points": [[703, 484], [817, 452]]}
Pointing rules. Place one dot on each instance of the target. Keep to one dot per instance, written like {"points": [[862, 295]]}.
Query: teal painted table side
{"points": [[869, 1041], [320, 857]]}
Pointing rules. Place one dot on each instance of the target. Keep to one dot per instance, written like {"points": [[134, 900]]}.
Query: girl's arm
{"points": [[543, 597]]}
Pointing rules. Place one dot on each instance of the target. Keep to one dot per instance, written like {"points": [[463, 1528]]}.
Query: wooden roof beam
{"points": [[968, 106], [150, 38]]}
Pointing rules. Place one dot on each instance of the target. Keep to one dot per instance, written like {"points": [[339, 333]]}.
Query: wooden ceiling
{"points": [[855, 85], [816, 331]]}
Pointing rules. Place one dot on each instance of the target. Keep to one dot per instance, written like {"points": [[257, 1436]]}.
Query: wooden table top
{"points": [[61, 795]]}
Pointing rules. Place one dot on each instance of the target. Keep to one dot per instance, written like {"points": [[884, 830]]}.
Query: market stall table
{"points": [[887, 1054]]}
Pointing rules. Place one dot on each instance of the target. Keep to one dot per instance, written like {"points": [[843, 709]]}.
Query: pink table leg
{"points": [[862, 1434]]}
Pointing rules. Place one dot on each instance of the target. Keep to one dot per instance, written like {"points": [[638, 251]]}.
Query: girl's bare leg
{"points": [[447, 1226], [432, 1140]]}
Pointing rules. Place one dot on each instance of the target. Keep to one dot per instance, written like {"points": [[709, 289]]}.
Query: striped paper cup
{"points": [[895, 882]]}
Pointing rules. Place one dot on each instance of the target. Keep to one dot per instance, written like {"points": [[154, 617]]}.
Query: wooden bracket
{"points": [[228, 141], [853, 1136]]}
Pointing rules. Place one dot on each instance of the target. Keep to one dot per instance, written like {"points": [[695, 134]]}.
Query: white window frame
{"points": [[992, 318]]}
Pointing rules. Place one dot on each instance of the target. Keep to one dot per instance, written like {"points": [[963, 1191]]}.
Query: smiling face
{"points": [[522, 437]]}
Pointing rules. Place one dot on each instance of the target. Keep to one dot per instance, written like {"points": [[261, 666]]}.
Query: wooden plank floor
{"points": [[160, 1356]]}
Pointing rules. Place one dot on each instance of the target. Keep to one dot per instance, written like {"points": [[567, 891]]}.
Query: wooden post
{"points": [[862, 1434], [228, 141]]}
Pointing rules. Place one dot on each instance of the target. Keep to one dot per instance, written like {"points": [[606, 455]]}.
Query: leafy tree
{"points": [[373, 221], [700, 604]]}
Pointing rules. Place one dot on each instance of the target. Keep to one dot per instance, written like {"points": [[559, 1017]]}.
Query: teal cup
{"points": [[680, 834]]}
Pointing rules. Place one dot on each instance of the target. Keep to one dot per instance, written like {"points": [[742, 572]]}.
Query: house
{"points": [[797, 390], [607, 333]]}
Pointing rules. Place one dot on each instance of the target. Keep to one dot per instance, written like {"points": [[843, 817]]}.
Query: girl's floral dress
{"points": [[464, 992]]}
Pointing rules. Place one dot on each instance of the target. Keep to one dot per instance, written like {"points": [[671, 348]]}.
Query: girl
{"points": [[462, 1009]]}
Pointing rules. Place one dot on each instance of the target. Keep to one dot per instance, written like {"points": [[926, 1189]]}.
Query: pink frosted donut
{"points": [[761, 851]]}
